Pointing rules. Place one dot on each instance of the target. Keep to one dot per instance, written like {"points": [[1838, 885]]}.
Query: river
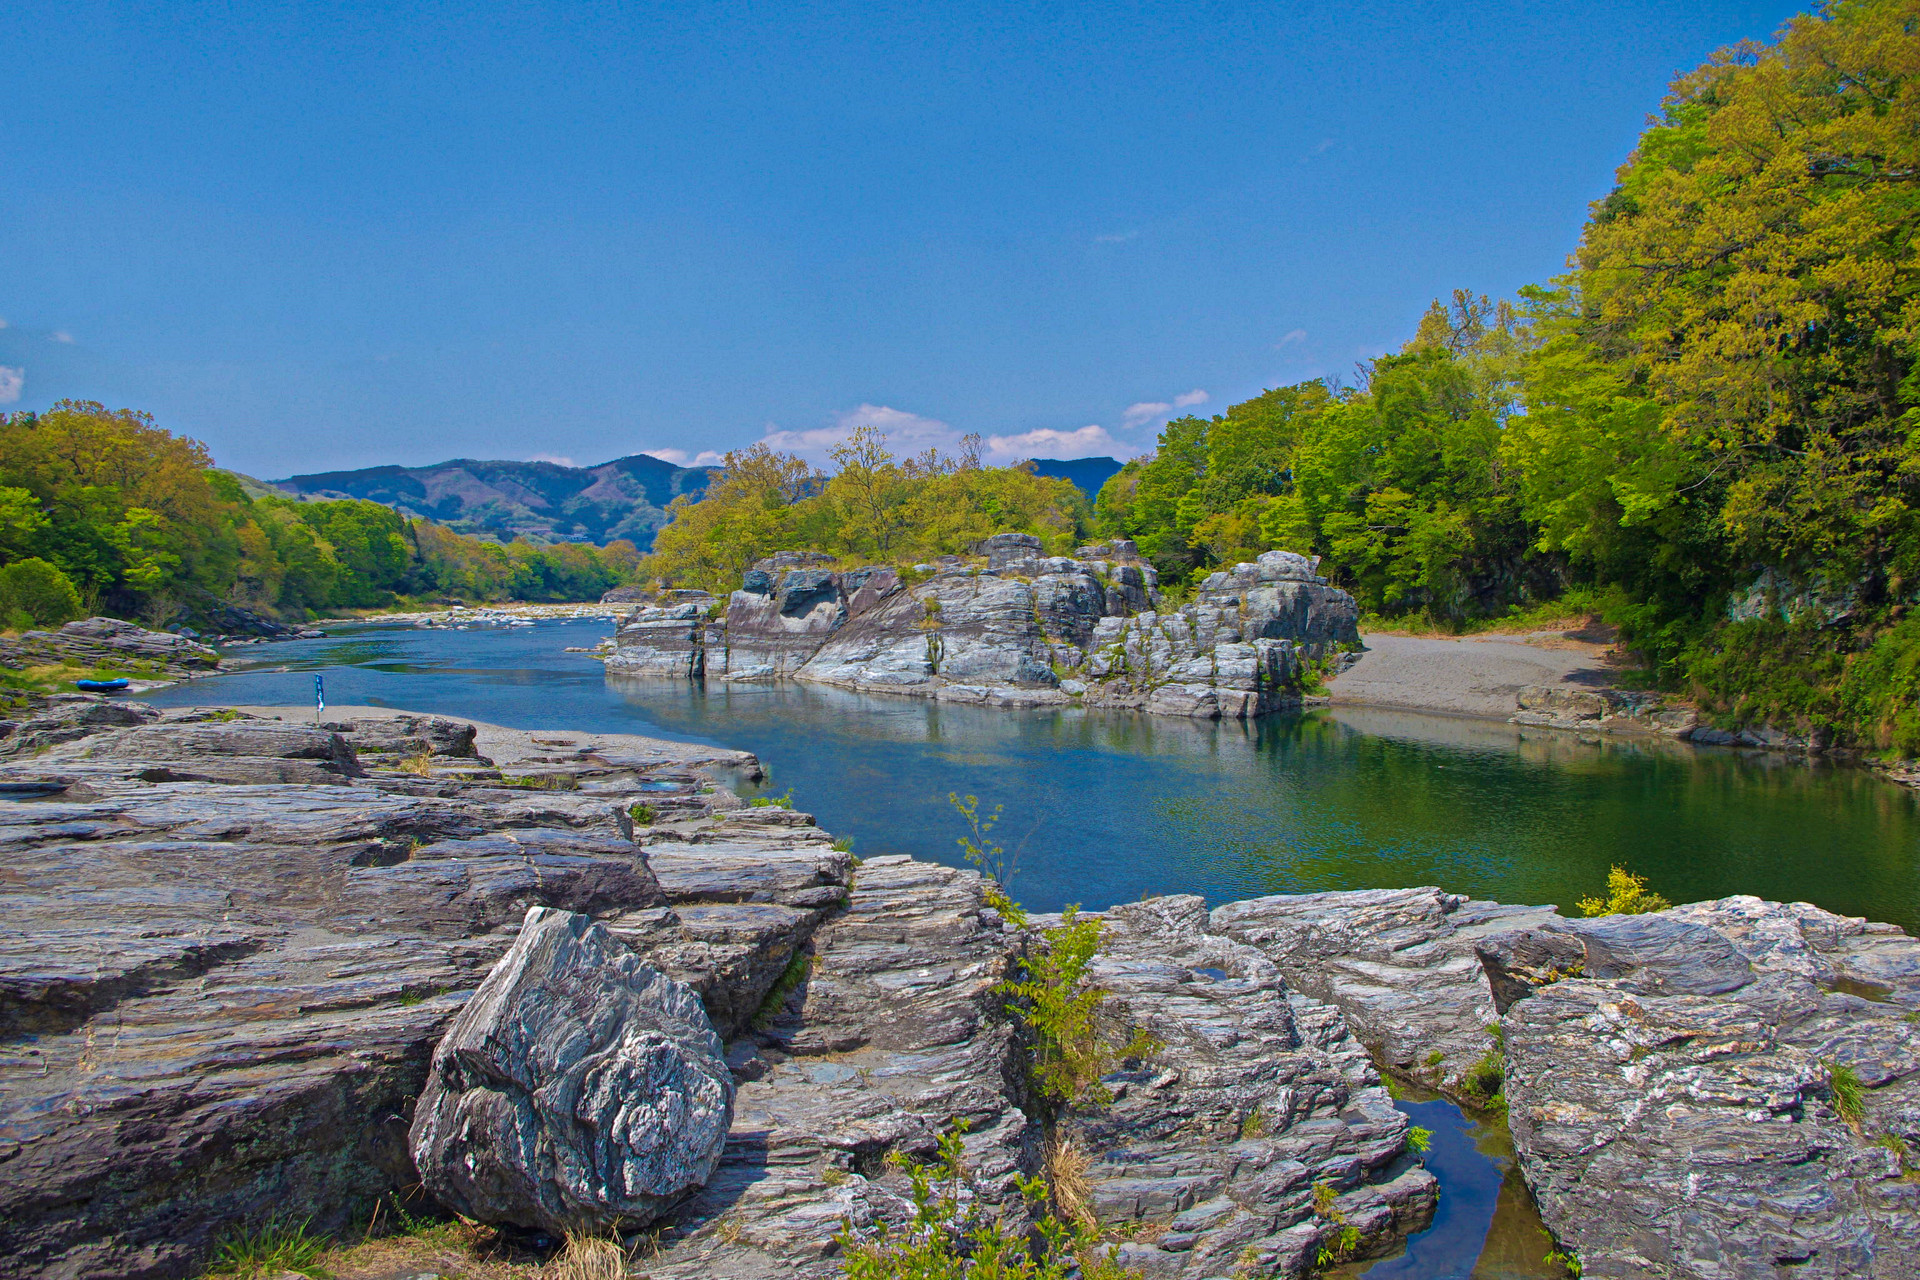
{"points": [[1103, 807]]}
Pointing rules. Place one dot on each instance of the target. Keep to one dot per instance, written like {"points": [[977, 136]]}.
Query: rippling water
{"points": [[1107, 807]]}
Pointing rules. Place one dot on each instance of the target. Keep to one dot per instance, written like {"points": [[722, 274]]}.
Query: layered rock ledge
{"points": [[1020, 629], [241, 958]]}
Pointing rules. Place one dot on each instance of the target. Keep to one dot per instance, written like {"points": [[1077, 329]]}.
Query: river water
{"points": [[1107, 807]]}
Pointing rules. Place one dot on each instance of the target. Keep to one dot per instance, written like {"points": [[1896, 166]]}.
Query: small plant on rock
{"points": [[950, 1236], [643, 814], [782, 801], [1420, 1139], [988, 854], [1849, 1096], [419, 764], [1626, 896], [1485, 1081], [1346, 1238], [1060, 1007]]}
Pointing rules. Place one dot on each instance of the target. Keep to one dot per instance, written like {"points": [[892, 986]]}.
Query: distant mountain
{"points": [[539, 501], [1088, 474]]}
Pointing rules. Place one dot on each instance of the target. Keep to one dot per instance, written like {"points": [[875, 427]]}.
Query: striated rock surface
{"points": [[579, 1090], [1605, 710], [1214, 1145], [1671, 1087], [1400, 964], [1024, 629], [218, 1002]]}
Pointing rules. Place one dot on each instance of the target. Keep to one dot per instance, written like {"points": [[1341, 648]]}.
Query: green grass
{"points": [[782, 801], [274, 1246], [1849, 1095], [790, 979]]}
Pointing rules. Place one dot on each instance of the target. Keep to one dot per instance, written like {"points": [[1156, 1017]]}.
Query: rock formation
{"points": [[221, 998], [1670, 1078], [1022, 629], [579, 1090], [93, 642]]}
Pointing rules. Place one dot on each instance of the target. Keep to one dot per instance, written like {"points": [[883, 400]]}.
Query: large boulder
{"points": [[580, 1089]]}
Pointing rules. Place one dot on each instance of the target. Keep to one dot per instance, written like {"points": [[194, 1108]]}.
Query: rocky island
{"points": [[555, 982], [1017, 628]]}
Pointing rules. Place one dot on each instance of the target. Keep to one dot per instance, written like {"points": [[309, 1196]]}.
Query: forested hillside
{"points": [[104, 511]]}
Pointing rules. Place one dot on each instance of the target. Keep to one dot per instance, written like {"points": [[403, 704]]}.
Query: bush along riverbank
{"points": [[570, 984]]}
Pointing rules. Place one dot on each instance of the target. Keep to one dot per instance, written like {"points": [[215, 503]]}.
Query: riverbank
{"points": [[1480, 676]]}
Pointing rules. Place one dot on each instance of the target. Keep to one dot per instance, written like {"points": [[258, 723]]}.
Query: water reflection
{"points": [[1106, 807], [1486, 1226]]}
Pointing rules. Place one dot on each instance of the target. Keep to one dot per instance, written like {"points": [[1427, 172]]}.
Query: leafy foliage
{"points": [[1627, 895], [875, 508], [1061, 1007], [951, 1237], [104, 509]]}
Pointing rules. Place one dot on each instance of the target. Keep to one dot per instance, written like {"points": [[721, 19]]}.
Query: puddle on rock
{"points": [[1486, 1226]]}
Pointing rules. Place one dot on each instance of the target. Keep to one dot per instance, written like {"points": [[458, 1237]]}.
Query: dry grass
{"points": [[454, 1250], [587, 1258], [1067, 1169], [420, 764]]}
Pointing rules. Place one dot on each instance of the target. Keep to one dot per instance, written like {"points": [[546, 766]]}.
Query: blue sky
{"points": [[320, 236]]}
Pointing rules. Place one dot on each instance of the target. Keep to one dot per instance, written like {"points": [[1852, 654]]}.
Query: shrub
{"points": [[987, 854], [947, 1239], [643, 814], [1060, 1007], [1419, 1139], [1626, 896], [34, 593], [783, 801]]}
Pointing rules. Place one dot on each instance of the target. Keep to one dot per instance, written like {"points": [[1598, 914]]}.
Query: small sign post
{"points": [[319, 699]]}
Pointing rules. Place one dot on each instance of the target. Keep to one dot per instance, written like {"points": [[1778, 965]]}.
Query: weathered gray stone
{"points": [[579, 1090], [1668, 1082], [1253, 1096], [1399, 963], [1025, 629]]}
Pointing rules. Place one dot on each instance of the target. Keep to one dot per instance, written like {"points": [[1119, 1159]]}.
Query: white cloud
{"points": [[1146, 411], [681, 458], [3, 323], [1116, 237], [907, 433], [11, 381], [61, 335], [1189, 399], [553, 457], [1088, 442], [1297, 335]]}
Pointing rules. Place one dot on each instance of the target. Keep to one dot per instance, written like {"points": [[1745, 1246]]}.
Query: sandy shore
{"points": [[507, 747], [1474, 676]]}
